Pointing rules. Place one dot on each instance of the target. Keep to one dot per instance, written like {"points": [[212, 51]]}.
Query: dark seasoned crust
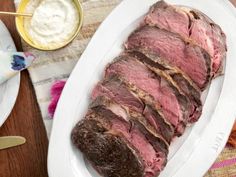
{"points": [[103, 150], [183, 82]]}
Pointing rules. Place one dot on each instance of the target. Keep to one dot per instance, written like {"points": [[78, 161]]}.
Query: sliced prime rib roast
{"points": [[174, 104], [192, 25], [151, 150], [150, 92], [182, 80], [170, 48], [120, 92]]}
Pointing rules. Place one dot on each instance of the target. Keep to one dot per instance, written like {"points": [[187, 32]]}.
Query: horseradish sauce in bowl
{"points": [[54, 24]]}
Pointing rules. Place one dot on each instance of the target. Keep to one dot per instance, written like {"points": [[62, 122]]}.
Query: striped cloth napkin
{"points": [[57, 65]]}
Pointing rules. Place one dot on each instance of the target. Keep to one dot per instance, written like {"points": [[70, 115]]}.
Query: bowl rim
{"points": [[80, 10]]}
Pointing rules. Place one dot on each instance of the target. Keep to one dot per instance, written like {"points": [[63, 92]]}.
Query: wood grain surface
{"points": [[29, 160]]}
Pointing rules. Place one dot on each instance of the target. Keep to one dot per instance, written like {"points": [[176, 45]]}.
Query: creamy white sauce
{"points": [[53, 21]]}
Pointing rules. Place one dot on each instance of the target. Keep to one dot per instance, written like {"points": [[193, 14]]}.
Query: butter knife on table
{"points": [[11, 141]]}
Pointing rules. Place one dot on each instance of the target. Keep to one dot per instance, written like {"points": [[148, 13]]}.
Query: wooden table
{"points": [[29, 160]]}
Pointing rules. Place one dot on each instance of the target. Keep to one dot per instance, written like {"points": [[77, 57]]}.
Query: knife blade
{"points": [[11, 141]]}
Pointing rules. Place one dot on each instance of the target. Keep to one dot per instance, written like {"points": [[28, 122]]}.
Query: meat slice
{"points": [[174, 105], [192, 91], [209, 36], [173, 50], [103, 149], [117, 90], [168, 17], [184, 82], [113, 88], [149, 148], [192, 25], [104, 104]]}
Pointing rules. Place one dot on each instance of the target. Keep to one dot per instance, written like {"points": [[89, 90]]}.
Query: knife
{"points": [[11, 141]]}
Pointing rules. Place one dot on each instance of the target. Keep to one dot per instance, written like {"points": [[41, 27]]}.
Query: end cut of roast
{"points": [[193, 26], [103, 150], [145, 151]]}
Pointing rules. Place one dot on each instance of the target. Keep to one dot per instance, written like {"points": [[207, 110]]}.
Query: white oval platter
{"points": [[193, 153]]}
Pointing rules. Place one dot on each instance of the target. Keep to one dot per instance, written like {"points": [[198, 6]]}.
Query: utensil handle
{"points": [[16, 14]]}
